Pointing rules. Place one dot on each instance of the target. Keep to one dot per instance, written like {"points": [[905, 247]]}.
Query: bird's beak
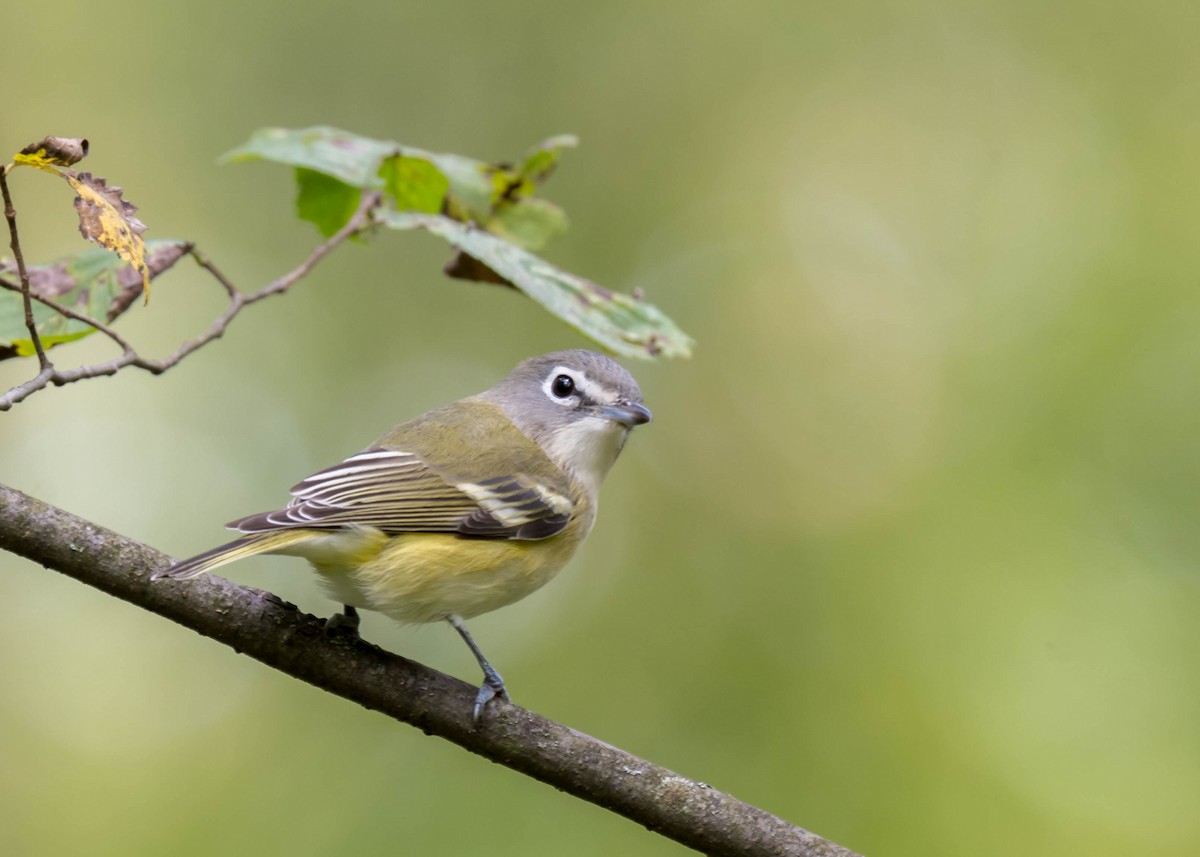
{"points": [[628, 414]]}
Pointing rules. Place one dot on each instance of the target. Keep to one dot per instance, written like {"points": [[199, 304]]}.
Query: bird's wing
{"points": [[397, 492]]}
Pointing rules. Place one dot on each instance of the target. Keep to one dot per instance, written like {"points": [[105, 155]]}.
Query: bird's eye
{"points": [[563, 386]]}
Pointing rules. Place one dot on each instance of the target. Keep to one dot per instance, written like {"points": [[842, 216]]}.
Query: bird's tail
{"points": [[235, 550]]}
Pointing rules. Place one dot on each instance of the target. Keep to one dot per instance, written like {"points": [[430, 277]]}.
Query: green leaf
{"points": [[621, 323], [414, 183], [324, 201], [519, 216], [94, 282], [530, 222], [488, 212], [496, 198], [499, 200], [347, 157], [12, 314], [472, 193], [541, 160]]}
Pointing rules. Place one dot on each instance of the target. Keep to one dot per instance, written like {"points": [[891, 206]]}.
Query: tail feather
{"points": [[232, 552]]}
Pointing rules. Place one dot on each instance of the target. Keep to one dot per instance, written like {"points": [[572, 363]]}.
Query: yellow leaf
{"points": [[107, 219]]}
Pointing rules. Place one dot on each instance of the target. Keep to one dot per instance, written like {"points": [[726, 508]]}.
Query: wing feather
{"points": [[397, 492]]}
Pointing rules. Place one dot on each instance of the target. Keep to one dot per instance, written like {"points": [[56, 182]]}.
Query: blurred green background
{"points": [[908, 555]]}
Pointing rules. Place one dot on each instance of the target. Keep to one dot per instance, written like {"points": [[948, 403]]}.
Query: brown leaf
{"points": [[107, 219], [53, 151], [464, 267]]}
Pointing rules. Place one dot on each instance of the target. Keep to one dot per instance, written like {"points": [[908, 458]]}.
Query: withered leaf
{"points": [[109, 220], [53, 152], [464, 267]]}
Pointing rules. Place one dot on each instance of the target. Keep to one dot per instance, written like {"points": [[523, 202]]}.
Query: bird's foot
{"points": [[343, 624], [492, 687]]}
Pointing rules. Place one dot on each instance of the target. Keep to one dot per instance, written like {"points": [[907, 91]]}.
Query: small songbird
{"points": [[466, 508]]}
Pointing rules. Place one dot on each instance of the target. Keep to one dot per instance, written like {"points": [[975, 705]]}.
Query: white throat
{"points": [[586, 449]]}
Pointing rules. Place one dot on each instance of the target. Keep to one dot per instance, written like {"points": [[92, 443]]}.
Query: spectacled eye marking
{"points": [[562, 386]]}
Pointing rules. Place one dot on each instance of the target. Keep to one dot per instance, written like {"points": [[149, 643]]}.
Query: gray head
{"points": [[577, 405]]}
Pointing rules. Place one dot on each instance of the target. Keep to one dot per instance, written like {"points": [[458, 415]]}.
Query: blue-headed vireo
{"points": [[462, 510]]}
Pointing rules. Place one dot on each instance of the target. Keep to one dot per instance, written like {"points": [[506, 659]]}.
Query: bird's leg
{"points": [[492, 685], [345, 622]]}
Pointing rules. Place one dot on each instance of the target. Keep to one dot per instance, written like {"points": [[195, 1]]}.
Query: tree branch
{"points": [[262, 626]]}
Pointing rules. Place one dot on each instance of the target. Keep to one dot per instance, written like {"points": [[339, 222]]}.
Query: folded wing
{"points": [[396, 492]]}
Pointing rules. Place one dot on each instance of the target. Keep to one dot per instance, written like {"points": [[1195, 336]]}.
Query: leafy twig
{"points": [[50, 375], [277, 634]]}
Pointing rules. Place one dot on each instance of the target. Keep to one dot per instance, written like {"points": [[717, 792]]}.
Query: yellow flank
{"points": [[425, 577], [413, 577]]}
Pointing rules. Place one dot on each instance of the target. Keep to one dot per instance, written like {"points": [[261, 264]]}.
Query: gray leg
{"points": [[492, 685]]}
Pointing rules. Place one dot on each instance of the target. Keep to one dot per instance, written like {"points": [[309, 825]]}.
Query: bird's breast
{"points": [[424, 577]]}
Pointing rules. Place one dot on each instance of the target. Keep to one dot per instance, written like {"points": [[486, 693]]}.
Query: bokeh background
{"points": [[909, 554]]}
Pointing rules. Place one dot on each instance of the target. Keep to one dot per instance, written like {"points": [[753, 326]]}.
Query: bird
{"points": [[462, 510]]}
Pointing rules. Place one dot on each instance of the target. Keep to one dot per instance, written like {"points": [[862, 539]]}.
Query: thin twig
{"points": [[10, 214], [360, 222], [260, 625], [204, 262], [238, 300], [21, 391]]}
